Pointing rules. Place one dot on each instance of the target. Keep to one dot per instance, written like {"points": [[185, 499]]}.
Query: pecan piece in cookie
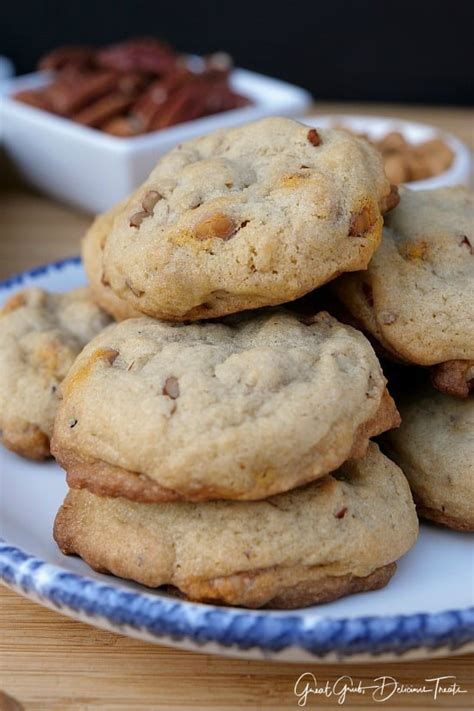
{"points": [[150, 200], [454, 377], [301, 200], [391, 200], [361, 222], [242, 390], [171, 387], [148, 203], [314, 137]]}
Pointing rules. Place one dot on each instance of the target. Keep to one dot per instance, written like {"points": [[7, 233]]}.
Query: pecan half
{"points": [[105, 108], [68, 96], [67, 56], [145, 54], [33, 98]]}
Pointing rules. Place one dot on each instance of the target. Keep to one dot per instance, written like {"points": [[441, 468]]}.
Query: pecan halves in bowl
{"points": [[145, 54], [34, 98], [67, 97], [103, 109], [133, 87]]}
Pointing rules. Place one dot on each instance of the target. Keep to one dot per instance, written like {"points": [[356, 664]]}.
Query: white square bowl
{"points": [[92, 170]]}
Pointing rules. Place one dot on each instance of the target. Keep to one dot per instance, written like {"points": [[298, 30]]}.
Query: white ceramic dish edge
{"points": [[459, 173]]}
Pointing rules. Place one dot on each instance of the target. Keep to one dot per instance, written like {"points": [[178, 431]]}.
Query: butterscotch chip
{"points": [[423, 274], [255, 214], [215, 226], [40, 336], [310, 545], [435, 448], [235, 410]]}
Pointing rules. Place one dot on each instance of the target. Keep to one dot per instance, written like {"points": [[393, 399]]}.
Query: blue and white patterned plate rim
{"points": [[176, 619], [179, 619]]}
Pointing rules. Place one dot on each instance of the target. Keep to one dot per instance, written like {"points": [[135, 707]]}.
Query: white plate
{"points": [[92, 170], [459, 172], [426, 610]]}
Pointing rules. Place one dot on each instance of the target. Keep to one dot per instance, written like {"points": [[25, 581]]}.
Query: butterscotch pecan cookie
{"points": [[417, 296], [435, 448], [158, 411], [40, 336], [247, 217], [92, 249], [330, 538]]}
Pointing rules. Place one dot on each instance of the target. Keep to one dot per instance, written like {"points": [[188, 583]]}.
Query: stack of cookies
{"points": [[416, 301], [217, 442]]}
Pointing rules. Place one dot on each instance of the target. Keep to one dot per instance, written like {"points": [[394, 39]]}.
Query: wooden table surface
{"points": [[51, 662]]}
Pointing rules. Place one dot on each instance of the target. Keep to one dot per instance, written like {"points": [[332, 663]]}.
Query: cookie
{"points": [[40, 336], [333, 537], [417, 296], [92, 248], [435, 448], [158, 411], [248, 217]]}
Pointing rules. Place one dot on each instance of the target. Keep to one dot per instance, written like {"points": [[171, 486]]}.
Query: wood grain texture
{"points": [[50, 662]]}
